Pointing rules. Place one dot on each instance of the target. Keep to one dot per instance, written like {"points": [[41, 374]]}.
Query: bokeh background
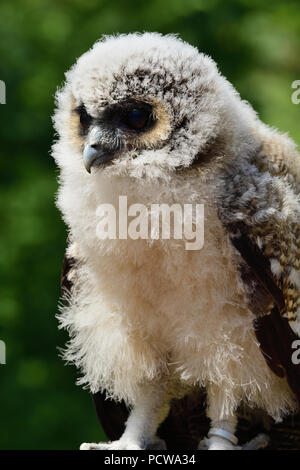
{"points": [[256, 45]]}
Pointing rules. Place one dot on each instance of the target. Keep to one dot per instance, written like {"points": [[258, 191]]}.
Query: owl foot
{"points": [[217, 443], [259, 442], [227, 441], [114, 445], [121, 444]]}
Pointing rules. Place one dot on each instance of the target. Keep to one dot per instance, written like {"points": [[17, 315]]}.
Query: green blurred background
{"points": [[256, 45]]}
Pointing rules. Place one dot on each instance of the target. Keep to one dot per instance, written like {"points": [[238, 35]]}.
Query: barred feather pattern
{"points": [[262, 201]]}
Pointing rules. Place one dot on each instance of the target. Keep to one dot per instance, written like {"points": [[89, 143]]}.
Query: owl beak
{"points": [[94, 155]]}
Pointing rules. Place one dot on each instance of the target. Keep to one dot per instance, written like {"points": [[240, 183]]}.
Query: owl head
{"points": [[143, 104]]}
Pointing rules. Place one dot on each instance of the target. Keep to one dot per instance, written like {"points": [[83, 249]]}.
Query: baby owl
{"points": [[155, 327]]}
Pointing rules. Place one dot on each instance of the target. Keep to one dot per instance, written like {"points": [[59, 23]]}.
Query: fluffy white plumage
{"points": [[150, 315]]}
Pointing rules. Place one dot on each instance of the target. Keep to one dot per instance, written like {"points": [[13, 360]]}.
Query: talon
{"points": [[86, 446], [259, 442], [218, 443], [114, 445]]}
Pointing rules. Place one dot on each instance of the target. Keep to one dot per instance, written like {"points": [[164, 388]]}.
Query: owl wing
{"points": [[260, 208], [273, 330]]}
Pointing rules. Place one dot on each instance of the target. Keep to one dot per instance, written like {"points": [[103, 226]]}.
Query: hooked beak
{"points": [[94, 155]]}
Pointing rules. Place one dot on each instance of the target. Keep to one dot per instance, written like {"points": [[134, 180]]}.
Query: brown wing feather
{"points": [[273, 332]]}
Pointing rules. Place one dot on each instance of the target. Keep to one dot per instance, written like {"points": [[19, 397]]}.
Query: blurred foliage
{"points": [[256, 45]]}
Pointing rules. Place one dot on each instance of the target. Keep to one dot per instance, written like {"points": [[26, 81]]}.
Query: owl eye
{"points": [[84, 117], [137, 118]]}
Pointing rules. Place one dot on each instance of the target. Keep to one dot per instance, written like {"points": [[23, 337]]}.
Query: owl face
{"points": [[124, 128], [140, 102]]}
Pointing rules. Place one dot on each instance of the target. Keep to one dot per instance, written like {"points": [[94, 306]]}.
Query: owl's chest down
{"points": [[171, 299], [142, 311]]}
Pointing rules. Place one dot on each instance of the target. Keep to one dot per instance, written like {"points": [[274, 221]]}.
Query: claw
{"points": [[114, 445], [259, 442]]}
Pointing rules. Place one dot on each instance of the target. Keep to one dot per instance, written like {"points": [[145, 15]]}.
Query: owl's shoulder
{"points": [[279, 156]]}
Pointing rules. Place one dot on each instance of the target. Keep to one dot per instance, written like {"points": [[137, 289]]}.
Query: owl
{"points": [[178, 346]]}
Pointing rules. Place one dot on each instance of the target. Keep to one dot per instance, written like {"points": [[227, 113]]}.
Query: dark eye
{"points": [[84, 117], [137, 118]]}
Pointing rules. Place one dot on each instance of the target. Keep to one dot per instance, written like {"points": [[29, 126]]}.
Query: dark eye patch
{"points": [[84, 117], [130, 115]]}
